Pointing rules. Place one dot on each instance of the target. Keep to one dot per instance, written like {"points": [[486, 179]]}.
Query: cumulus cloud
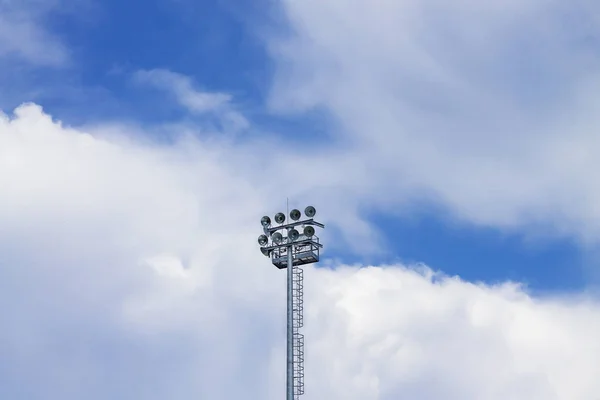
{"points": [[98, 241], [486, 108], [397, 332], [129, 269]]}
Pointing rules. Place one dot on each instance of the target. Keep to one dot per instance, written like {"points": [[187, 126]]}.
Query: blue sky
{"points": [[218, 45], [207, 41], [450, 149]]}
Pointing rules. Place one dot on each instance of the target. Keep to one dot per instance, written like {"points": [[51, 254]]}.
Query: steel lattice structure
{"points": [[291, 252]]}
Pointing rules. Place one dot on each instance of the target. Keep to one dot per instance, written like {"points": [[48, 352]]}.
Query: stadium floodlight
{"points": [[280, 218], [263, 240], [292, 252], [309, 231], [293, 235], [277, 238], [310, 211], [265, 221], [295, 215]]}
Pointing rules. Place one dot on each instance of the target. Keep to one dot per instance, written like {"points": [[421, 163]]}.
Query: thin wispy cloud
{"points": [[196, 101], [25, 37]]}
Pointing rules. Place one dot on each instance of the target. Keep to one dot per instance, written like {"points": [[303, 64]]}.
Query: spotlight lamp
{"points": [[266, 252], [309, 231], [310, 211], [293, 235], [265, 221], [280, 218], [263, 240], [277, 238], [295, 215]]}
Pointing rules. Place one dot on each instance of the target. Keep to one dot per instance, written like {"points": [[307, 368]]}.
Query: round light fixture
{"points": [[309, 231], [295, 214], [280, 218], [277, 238], [310, 211], [266, 253], [265, 221], [293, 235], [263, 240]]}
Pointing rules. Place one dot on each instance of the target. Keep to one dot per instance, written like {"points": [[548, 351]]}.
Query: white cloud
{"points": [[129, 270], [181, 86], [23, 33], [487, 108], [198, 102], [394, 333]]}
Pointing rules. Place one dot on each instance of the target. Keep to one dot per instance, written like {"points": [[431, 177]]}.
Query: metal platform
{"points": [[304, 251]]}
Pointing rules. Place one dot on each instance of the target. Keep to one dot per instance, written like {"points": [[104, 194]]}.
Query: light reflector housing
{"points": [[265, 221], [293, 235], [277, 238], [280, 218], [295, 214], [310, 211], [263, 240], [309, 231]]}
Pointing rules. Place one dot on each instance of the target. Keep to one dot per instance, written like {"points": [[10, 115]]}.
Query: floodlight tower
{"points": [[291, 252]]}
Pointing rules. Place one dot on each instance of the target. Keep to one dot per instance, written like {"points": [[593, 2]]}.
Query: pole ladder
{"points": [[298, 322]]}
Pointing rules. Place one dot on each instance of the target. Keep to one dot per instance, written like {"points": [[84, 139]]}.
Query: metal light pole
{"points": [[291, 252]]}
